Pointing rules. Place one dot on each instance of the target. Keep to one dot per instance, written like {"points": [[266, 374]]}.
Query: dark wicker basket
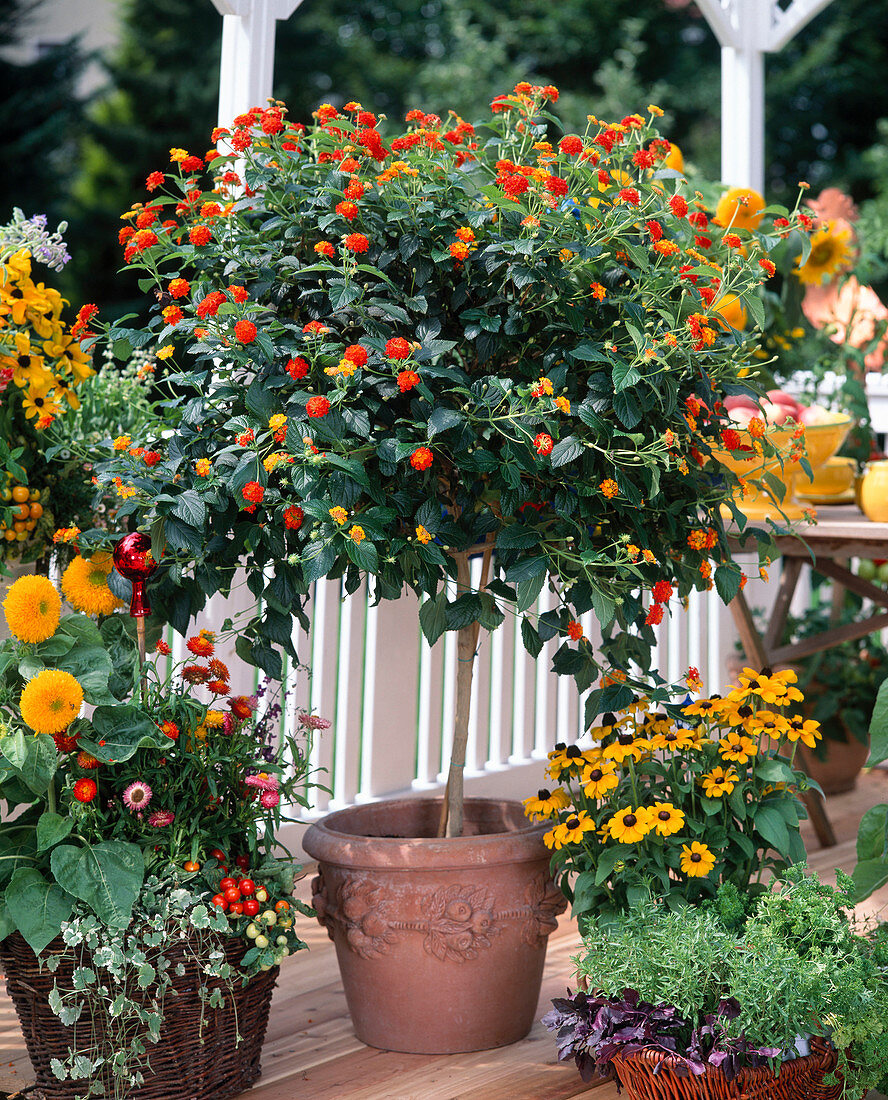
{"points": [[189, 1063], [801, 1079]]}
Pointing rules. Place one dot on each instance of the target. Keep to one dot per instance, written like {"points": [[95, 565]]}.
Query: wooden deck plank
{"points": [[310, 1049]]}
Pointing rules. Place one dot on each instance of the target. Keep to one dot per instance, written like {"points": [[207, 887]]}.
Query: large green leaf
{"points": [[122, 730], [52, 828], [868, 876], [770, 825], [107, 876], [872, 835], [91, 666], [878, 730], [33, 757], [37, 907]]}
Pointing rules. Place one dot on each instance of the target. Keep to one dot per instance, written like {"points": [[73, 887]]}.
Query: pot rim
{"points": [[327, 843]]}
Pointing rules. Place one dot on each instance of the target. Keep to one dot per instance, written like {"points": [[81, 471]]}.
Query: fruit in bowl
{"points": [[782, 416]]}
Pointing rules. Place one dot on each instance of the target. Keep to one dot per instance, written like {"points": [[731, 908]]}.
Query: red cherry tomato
{"points": [[191, 866], [218, 855], [281, 906], [227, 883], [232, 894], [220, 901], [236, 908], [251, 907], [243, 862], [247, 886]]}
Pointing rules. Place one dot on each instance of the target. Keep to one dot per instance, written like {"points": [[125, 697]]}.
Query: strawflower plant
{"points": [[157, 811], [386, 350], [677, 803]]}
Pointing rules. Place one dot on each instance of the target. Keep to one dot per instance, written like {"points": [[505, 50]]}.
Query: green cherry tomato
{"points": [[269, 917], [262, 942], [251, 932]]}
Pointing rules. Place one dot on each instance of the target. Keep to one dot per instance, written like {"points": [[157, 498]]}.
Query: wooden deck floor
{"points": [[310, 1049]]}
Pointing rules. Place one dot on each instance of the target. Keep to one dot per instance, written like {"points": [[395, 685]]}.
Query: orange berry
{"points": [[19, 494], [36, 510]]}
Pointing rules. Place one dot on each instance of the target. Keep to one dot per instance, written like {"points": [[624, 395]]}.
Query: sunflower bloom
{"points": [[51, 701], [831, 252], [85, 585], [628, 825], [696, 860], [32, 608], [546, 804]]}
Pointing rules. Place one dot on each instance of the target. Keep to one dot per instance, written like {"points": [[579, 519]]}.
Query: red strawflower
{"points": [[245, 331], [397, 348], [317, 406], [543, 444], [678, 206], [253, 492], [293, 517], [162, 648], [85, 790], [219, 669], [218, 687], [170, 729], [195, 674], [240, 706], [297, 368], [407, 379], [421, 458], [200, 235], [356, 242], [201, 646], [64, 743]]}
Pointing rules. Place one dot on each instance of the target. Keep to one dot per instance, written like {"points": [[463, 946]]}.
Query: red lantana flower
{"points": [[397, 348], [543, 444], [297, 368], [662, 591], [253, 492], [293, 517], [317, 406], [678, 206], [421, 458], [200, 235], [356, 242], [407, 379], [654, 615], [245, 331], [355, 354]]}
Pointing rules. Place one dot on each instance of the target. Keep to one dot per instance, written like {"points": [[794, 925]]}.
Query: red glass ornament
{"points": [[133, 560]]}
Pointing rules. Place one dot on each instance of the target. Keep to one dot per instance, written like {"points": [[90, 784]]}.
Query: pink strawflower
{"points": [[263, 781], [137, 795], [161, 818], [314, 722], [269, 799]]}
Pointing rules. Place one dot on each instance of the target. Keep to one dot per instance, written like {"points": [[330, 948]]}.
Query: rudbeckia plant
{"points": [[42, 365], [674, 803], [392, 347], [147, 823]]}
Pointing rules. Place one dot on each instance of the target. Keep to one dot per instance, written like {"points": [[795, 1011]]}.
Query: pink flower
{"points": [[269, 799], [161, 818], [137, 795], [263, 781], [314, 721], [852, 312]]}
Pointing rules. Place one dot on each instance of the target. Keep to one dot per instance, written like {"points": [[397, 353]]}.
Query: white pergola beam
{"points": [[247, 67], [788, 23], [718, 16]]}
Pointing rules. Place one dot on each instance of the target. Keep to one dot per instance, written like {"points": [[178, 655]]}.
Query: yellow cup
{"points": [[874, 492], [833, 479]]}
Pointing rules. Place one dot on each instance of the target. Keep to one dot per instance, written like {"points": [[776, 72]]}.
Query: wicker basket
{"points": [[184, 1065], [800, 1079]]}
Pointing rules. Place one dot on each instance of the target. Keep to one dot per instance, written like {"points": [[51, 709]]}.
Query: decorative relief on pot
{"points": [[457, 922]]}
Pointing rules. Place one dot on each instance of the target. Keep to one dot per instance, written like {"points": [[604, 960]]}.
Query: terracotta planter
{"points": [[838, 772], [440, 943]]}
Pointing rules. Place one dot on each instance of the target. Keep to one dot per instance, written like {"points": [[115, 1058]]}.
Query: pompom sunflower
{"points": [[32, 608], [51, 701], [85, 585]]}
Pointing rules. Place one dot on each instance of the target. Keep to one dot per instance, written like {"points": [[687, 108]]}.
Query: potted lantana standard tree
{"points": [[143, 908], [388, 353]]}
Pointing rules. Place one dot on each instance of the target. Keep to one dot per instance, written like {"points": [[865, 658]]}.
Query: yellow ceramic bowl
{"points": [[757, 503], [835, 478]]}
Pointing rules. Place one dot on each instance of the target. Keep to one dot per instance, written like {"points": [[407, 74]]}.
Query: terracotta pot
{"points": [[838, 772], [440, 942]]}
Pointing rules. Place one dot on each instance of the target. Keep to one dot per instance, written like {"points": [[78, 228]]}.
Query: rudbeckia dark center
{"points": [[543, 795], [629, 820], [625, 738], [596, 775], [696, 857], [664, 815], [572, 823], [572, 752]]}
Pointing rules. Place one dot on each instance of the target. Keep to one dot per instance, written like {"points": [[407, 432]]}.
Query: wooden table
{"points": [[841, 532]]}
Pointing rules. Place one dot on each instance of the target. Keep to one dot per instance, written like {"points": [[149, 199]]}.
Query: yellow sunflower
{"points": [[32, 607], [831, 251], [629, 825], [546, 804], [697, 860], [739, 208], [570, 831], [666, 819], [51, 701], [718, 782], [85, 585]]}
